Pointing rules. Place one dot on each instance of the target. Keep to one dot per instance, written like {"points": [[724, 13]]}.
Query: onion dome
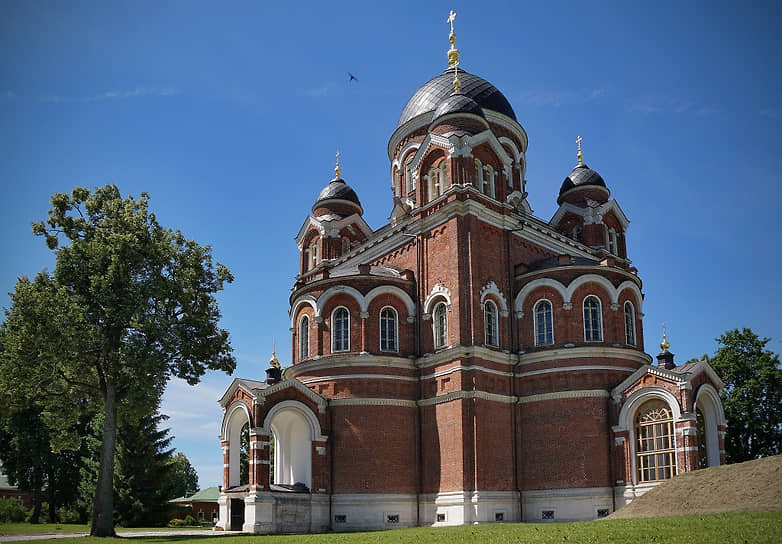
{"points": [[583, 177], [458, 103], [337, 198], [439, 89]]}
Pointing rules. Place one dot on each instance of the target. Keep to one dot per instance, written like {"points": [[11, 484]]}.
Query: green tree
{"points": [[183, 478], [129, 305], [141, 472], [752, 397]]}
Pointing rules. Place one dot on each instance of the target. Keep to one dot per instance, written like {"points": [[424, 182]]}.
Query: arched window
{"points": [[444, 181], [304, 338], [440, 323], [593, 319], [388, 329], [490, 324], [655, 452], [340, 329], [544, 323], [629, 323]]}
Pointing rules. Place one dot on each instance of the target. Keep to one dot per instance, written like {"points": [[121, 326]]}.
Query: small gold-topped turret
{"points": [[580, 154], [453, 54], [337, 169], [274, 361], [664, 345]]}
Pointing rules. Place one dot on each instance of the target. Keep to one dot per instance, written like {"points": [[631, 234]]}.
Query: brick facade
{"points": [[466, 402]]}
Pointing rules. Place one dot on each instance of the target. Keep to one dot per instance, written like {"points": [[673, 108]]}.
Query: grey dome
{"points": [[458, 103], [337, 189], [581, 176], [431, 94]]}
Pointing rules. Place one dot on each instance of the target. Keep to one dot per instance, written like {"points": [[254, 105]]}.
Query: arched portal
{"points": [[709, 409], [236, 421], [293, 426]]}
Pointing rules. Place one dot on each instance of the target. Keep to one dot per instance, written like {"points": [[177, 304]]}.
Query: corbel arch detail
{"points": [[336, 290], [491, 289], [389, 290], [302, 300], [639, 299], [600, 280], [230, 413], [531, 286], [630, 407], [438, 291], [300, 407]]}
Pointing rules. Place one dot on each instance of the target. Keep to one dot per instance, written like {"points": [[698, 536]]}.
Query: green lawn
{"points": [[41, 528], [764, 527]]}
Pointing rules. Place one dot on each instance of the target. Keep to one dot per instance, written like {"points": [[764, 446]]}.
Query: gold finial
{"points": [[337, 169], [664, 345], [453, 53], [273, 361], [580, 155]]}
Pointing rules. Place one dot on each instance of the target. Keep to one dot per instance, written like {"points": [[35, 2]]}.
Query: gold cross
{"points": [[580, 155], [451, 17], [337, 169]]}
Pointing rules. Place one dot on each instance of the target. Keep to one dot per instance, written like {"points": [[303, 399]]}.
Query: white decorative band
{"points": [[360, 377], [457, 395], [576, 368], [582, 394], [465, 369], [372, 402]]}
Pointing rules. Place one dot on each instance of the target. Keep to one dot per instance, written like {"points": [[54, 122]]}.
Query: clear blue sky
{"points": [[229, 115]]}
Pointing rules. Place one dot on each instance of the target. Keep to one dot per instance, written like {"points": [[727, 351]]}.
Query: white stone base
{"points": [[576, 504], [467, 507], [368, 511], [626, 493]]}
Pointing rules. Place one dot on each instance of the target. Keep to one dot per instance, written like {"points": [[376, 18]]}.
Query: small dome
{"points": [[582, 176], [458, 103], [432, 93], [338, 197]]}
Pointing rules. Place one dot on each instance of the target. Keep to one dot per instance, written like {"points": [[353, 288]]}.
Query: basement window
{"points": [[603, 512], [499, 516], [440, 518], [392, 518], [340, 518], [547, 514]]}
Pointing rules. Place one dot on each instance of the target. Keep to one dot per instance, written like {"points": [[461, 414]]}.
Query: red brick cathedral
{"points": [[468, 362]]}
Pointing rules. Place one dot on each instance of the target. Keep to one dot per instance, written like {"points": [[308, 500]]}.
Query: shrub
{"points": [[11, 511], [190, 521], [69, 515], [176, 522]]}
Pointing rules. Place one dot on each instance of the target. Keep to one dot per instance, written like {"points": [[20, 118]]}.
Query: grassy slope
{"points": [[754, 486], [755, 527]]}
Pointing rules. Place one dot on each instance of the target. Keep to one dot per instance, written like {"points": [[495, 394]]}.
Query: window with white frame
{"points": [[612, 247], [629, 323], [388, 329], [544, 323], [312, 254], [655, 453], [490, 324], [340, 329], [593, 319], [479, 175], [440, 325], [444, 181], [346, 244], [304, 338], [488, 180]]}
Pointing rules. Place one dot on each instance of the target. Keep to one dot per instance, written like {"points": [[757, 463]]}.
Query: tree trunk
{"points": [[36, 515], [52, 498], [103, 505]]}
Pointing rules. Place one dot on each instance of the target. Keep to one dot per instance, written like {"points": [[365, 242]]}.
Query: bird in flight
{"points": [[351, 77]]}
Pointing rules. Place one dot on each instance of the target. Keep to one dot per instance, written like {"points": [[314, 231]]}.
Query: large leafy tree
{"points": [[129, 305], [752, 397], [183, 478]]}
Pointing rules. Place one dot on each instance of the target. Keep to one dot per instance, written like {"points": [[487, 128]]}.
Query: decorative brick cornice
{"points": [[466, 395], [261, 394], [373, 402], [582, 394], [584, 352]]}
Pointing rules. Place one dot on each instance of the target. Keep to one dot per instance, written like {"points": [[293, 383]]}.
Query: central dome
{"points": [[429, 96]]}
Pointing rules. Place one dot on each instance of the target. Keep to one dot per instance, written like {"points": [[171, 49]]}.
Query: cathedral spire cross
{"points": [[664, 345], [453, 54], [580, 154], [337, 169], [274, 361]]}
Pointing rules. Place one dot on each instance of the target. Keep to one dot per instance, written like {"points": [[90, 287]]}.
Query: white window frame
{"points": [[536, 330], [334, 330], [440, 337], [599, 319], [395, 329], [304, 337], [630, 337], [490, 306]]}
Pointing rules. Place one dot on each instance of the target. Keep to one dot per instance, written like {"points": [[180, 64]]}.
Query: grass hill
{"points": [[753, 486]]}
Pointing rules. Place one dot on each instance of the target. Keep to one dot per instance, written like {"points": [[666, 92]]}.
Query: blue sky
{"points": [[229, 115]]}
